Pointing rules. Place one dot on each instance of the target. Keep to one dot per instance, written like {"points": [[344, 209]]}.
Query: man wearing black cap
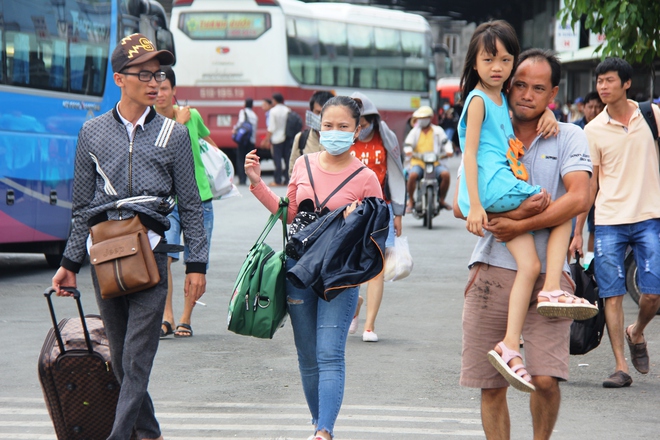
{"points": [[132, 161]]}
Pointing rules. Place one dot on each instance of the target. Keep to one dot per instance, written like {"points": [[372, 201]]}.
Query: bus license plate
{"points": [[223, 120]]}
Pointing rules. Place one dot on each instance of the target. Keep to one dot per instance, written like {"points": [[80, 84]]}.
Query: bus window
{"points": [[413, 44], [303, 47], [334, 53], [362, 52], [224, 25], [34, 47], [415, 81], [388, 42]]}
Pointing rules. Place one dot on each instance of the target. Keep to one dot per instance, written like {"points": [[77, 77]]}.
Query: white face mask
{"points": [[424, 122], [312, 120]]}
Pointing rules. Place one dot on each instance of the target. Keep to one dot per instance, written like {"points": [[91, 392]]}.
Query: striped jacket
{"points": [[115, 178]]}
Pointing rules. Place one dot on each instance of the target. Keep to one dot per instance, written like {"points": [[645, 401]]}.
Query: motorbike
{"points": [[427, 205]]}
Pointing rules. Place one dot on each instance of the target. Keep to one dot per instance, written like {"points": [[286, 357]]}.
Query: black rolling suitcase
{"points": [[78, 383]]}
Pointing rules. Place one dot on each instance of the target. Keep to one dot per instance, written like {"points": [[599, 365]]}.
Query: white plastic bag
{"points": [[219, 169], [398, 261]]}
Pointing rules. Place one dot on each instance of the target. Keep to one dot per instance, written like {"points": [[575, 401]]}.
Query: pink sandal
{"points": [[573, 307], [517, 375]]}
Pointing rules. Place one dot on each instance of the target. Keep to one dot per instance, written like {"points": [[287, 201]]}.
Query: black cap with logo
{"points": [[138, 49]]}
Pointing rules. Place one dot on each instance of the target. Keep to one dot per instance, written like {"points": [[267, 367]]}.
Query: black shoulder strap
{"points": [[302, 140], [647, 111], [320, 206]]}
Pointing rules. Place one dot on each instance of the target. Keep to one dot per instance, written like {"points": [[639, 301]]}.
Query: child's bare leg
{"points": [[524, 252], [556, 255]]}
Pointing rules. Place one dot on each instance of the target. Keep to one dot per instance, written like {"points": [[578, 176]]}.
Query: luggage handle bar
{"points": [[76, 295]]}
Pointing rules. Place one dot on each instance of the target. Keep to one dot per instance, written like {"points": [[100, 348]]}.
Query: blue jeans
{"points": [[282, 152], [320, 329], [173, 235], [610, 252]]}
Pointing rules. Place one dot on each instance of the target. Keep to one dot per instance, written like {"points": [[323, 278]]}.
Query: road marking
{"points": [[219, 421]]}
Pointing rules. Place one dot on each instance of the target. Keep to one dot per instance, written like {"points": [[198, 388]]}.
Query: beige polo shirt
{"points": [[629, 174]]}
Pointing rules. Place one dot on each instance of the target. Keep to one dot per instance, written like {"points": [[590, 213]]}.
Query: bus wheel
{"points": [[53, 260]]}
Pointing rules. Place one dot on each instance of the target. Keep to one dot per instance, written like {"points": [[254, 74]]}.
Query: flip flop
{"points": [[187, 331], [168, 329], [574, 307], [517, 375]]}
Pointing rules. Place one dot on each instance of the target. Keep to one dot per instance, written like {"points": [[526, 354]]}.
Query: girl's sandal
{"points": [[572, 307], [517, 375]]}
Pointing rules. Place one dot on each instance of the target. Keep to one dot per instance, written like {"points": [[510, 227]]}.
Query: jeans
{"points": [[241, 152], [282, 152], [320, 329], [610, 252], [173, 235]]}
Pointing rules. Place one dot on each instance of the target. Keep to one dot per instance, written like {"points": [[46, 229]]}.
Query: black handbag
{"points": [[586, 335], [309, 211]]}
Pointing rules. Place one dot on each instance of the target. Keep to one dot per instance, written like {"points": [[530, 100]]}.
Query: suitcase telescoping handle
{"points": [[76, 295]]}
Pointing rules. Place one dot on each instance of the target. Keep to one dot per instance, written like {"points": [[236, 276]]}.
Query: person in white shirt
{"points": [[244, 149], [277, 137]]}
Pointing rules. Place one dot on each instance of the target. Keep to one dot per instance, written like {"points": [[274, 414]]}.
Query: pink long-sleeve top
{"points": [[364, 184]]}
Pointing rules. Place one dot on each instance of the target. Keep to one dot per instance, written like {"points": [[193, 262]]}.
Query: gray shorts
{"points": [[485, 313]]}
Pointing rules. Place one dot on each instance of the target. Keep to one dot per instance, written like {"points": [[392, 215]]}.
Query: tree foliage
{"points": [[631, 27]]}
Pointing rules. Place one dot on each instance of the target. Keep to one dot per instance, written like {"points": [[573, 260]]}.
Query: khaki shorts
{"points": [[546, 348]]}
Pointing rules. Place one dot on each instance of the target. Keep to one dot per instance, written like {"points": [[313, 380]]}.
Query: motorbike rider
{"points": [[426, 137]]}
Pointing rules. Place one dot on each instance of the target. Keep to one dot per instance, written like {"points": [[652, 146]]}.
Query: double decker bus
{"points": [[253, 48], [55, 74]]}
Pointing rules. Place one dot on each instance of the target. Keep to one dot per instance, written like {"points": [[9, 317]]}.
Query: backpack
{"points": [[244, 132], [647, 111], [586, 335], [294, 124], [302, 141]]}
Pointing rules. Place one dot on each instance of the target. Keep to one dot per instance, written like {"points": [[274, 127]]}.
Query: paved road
{"points": [[219, 385]]}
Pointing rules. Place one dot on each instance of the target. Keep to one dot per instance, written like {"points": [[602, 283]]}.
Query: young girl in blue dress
{"points": [[494, 180]]}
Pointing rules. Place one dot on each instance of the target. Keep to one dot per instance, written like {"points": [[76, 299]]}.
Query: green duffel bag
{"points": [[258, 303]]}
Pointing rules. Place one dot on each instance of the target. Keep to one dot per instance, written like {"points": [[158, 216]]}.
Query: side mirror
{"points": [[165, 40]]}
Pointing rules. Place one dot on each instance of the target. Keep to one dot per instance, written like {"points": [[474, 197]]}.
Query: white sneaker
{"points": [[353, 328], [369, 336]]}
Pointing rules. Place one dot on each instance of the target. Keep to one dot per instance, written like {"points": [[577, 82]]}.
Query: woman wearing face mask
{"points": [[320, 328], [425, 138], [378, 148]]}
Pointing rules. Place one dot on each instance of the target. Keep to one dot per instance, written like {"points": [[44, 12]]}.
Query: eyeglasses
{"points": [[145, 75]]}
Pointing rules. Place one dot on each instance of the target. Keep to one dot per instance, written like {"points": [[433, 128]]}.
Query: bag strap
{"points": [[647, 111], [280, 214], [320, 206], [302, 140]]}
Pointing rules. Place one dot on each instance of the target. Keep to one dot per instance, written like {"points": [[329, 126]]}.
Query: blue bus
{"points": [[54, 75]]}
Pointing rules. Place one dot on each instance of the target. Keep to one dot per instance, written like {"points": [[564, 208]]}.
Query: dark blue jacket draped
{"points": [[338, 253]]}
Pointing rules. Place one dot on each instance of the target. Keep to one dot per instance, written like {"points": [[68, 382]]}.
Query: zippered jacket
{"points": [[339, 253], [116, 179]]}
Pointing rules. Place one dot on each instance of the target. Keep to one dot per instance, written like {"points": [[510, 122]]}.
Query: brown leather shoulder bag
{"points": [[122, 257]]}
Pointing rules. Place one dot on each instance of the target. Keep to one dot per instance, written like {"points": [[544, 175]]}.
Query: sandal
{"points": [[186, 331], [517, 375], [168, 329], [573, 307]]}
